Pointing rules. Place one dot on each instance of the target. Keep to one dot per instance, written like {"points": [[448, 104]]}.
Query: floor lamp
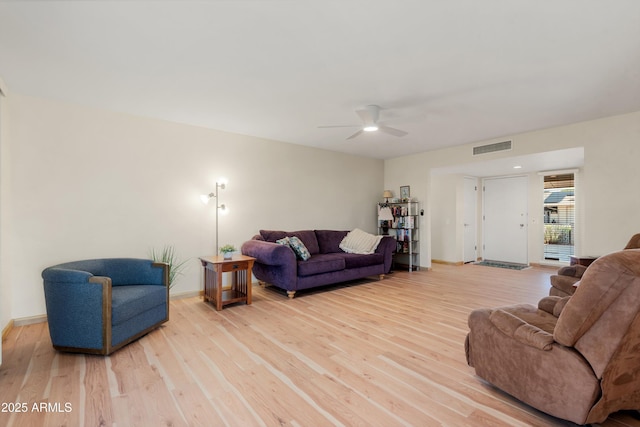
{"points": [[220, 185]]}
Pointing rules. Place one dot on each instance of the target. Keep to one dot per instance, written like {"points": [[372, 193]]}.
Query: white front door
{"points": [[470, 219], [505, 219]]}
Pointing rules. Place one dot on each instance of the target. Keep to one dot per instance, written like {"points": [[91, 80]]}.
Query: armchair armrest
{"points": [[521, 331], [78, 308], [65, 275], [166, 271]]}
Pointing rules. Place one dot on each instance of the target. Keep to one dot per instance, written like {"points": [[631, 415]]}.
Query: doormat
{"points": [[508, 265]]}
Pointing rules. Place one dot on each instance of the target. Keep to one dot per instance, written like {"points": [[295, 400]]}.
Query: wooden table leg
{"points": [[218, 288], [249, 286]]}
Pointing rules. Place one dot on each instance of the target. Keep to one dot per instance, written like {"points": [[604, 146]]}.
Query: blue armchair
{"points": [[98, 306]]}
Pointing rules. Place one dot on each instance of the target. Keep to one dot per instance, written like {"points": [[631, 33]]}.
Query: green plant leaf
{"points": [[169, 256]]}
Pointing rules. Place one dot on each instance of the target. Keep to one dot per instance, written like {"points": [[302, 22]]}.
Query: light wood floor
{"points": [[379, 353]]}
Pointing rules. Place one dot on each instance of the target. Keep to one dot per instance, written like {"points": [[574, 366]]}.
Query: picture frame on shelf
{"points": [[405, 193]]}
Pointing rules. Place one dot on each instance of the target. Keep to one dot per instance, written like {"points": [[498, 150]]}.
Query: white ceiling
{"points": [[448, 72]]}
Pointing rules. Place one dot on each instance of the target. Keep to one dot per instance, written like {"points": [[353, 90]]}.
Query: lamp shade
{"points": [[387, 194], [384, 213]]}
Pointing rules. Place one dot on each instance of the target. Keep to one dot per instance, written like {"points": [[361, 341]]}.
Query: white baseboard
{"points": [[7, 329], [188, 294], [23, 321]]}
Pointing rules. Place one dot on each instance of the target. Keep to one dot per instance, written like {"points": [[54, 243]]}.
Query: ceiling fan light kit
{"points": [[369, 116]]}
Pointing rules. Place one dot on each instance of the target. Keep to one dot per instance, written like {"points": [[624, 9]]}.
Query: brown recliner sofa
{"points": [[564, 283], [576, 358]]}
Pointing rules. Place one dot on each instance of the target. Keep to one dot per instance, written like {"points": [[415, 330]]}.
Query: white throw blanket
{"points": [[360, 242]]}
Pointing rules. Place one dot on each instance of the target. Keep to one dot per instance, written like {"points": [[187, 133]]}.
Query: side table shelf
{"points": [[239, 266]]}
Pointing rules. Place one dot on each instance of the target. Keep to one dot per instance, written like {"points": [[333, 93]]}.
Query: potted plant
{"points": [[227, 251], [168, 255]]}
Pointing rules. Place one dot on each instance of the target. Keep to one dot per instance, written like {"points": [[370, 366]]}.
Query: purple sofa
{"points": [[277, 264]]}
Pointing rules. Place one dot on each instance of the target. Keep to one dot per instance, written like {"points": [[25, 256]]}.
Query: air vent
{"points": [[491, 148]]}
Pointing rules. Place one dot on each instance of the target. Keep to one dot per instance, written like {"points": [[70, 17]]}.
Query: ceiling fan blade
{"points": [[391, 131], [355, 134], [338, 126]]}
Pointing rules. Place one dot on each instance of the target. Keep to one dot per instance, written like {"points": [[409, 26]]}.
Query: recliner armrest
{"points": [[521, 331], [553, 304], [572, 271]]}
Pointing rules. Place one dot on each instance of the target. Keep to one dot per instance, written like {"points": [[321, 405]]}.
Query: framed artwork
{"points": [[405, 192]]}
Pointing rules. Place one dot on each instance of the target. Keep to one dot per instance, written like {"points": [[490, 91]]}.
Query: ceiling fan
{"points": [[369, 116]]}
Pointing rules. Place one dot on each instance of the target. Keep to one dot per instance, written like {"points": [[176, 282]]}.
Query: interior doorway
{"points": [[505, 219]]}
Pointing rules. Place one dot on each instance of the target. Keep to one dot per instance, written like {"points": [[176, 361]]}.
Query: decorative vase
{"points": [[228, 255]]}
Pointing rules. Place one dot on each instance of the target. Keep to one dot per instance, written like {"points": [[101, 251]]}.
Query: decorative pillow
{"points": [[284, 241], [299, 248], [360, 242]]}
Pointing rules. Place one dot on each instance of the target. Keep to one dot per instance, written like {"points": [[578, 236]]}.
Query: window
{"points": [[559, 216]]}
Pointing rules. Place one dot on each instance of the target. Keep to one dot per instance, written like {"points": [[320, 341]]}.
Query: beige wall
{"points": [[86, 183], [444, 238], [607, 214], [5, 289]]}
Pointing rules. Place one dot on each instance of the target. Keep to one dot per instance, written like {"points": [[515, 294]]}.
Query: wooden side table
{"points": [[240, 268]]}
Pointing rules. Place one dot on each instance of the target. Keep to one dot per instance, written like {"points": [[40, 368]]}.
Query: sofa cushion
{"points": [[140, 322], [273, 235], [321, 263], [128, 301], [308, 237], [329, 240], [359, 260]]}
